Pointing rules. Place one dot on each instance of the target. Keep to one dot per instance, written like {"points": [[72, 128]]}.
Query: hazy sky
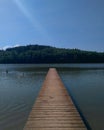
{"points": [[60, 23]]}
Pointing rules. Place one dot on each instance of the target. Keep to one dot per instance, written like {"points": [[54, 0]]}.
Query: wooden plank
{"points": [[54, 108]]}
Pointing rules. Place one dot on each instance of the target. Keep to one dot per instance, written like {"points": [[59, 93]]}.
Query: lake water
{"points": [[20, 85]]}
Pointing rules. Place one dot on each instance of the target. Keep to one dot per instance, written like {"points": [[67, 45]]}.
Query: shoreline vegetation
{"points": [[47, 54]]}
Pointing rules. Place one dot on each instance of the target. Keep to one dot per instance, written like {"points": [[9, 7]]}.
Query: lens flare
{"points": [[33, 20]]}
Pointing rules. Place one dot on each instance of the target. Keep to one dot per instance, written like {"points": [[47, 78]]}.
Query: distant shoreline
{"points": [[40, 54]]}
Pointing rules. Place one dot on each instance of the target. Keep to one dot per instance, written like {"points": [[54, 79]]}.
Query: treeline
{"points": [[47, 54]]}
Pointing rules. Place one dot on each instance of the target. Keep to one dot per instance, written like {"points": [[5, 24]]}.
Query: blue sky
{"points": [[59, 23]]}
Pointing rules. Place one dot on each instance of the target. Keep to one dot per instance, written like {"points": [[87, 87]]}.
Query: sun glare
{"points": [[33, 20]]}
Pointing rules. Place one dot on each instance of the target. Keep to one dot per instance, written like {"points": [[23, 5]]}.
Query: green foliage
{"points": [[47, 54]]}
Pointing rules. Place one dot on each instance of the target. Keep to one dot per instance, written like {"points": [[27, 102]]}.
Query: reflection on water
{"points": [[20, 86], [87, 88], [17, 93]]}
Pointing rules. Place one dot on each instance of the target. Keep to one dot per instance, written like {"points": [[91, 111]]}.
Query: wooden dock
{"points": [[54, 108]]}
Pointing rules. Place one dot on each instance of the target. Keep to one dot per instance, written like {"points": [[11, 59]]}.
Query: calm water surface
{"points": [[20, 85]]}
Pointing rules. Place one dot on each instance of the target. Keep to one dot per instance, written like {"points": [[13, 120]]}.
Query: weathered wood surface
{"points": [[54, 109]]}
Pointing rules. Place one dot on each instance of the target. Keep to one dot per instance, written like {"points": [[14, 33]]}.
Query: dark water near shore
{"points": [[20, 85]]}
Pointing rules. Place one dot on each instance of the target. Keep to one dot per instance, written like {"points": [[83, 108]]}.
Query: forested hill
{"points": [[47, 54]]}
